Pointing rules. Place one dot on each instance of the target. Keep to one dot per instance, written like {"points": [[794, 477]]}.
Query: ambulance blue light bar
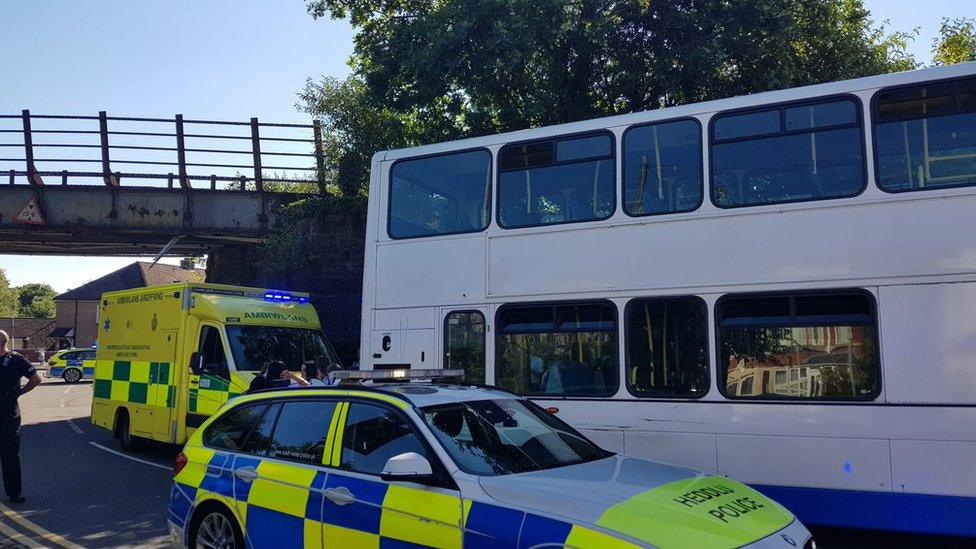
{"points": [[284, 297]]}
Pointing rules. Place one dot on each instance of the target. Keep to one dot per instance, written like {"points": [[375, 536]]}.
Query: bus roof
{"points": [[690, 109]]}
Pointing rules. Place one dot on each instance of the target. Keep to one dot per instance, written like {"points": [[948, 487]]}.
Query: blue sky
{"points": [[214, 59]]}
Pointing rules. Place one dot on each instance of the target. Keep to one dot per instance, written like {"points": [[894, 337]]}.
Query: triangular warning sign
{"points": [[30, 213]]}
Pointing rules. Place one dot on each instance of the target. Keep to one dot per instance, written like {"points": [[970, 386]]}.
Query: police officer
{"points": [[12, 367]]}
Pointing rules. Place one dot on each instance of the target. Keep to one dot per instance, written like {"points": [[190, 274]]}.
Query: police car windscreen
{"points": [[500, 437], [255, 346]]}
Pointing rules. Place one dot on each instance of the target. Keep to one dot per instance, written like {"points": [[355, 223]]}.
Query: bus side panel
{"points": [[134, 367]]}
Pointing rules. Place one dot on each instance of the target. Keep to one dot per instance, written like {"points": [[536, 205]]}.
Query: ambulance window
{"points": [[301, 431], [212, 351], [373, 435], [228, 432]]}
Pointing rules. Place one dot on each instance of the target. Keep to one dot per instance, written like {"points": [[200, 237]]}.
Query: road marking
{"points": [[17, 537], [47, 536], [68, 390], [126, 456], [77, 429], [62, 403]]}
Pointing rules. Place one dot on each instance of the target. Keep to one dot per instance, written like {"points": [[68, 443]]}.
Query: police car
{"points": [[72, 365], [440, 465]]}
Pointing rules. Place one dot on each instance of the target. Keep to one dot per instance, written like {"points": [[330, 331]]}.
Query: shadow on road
{"points": [[93, 497]]}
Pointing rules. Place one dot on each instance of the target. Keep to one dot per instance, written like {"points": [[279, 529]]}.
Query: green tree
{"points": [[8, 296], [431, 71], [353, 128], [956, 42], [36, 300]]}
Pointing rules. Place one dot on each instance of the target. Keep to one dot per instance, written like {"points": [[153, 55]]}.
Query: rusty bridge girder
{"points": [[156, 179], [103, 220]]}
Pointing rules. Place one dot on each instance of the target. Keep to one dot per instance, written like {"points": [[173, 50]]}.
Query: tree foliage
{"points": [[36, 300], [431, 71], [956, 42], [8, 297], [30, 300]]}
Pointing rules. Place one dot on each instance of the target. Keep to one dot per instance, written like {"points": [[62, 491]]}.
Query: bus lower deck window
{"points": [[566, 349], [667, 347], [817, 346]]}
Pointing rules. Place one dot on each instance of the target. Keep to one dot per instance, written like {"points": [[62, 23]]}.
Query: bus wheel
{"points": [[72, 375], [216, 529], [130, 442]]}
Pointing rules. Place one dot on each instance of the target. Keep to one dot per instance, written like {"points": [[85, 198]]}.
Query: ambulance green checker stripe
{"points": [[148, 383], [213, 391]]}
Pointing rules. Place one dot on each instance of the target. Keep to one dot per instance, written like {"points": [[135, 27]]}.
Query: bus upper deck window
{"points": [[791, 153], [563, 180], [925, 136], [662, 168], [437, 195]]}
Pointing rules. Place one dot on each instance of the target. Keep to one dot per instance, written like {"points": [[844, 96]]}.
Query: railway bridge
{"points": [[108, 185]]}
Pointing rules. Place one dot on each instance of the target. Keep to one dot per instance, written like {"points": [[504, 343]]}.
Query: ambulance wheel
{"points": [[215, 528], [130, 442], [72, 375]]}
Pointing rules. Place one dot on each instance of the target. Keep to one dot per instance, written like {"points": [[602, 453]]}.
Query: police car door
{"points": [[361, 509], [279, 487]]}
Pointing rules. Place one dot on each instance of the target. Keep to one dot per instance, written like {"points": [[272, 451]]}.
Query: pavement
{"points": [[83, 491]]}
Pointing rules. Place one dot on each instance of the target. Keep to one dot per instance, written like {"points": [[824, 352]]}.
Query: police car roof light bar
{"points": [[403, 373]]}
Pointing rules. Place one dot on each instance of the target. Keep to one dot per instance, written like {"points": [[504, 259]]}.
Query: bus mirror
{"points": [[196, 363]]}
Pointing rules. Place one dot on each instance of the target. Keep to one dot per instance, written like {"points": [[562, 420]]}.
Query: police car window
{"points": [[228, 431], [301, 430], [373, 435], [259, 439], [88, 355], [500, 437]]}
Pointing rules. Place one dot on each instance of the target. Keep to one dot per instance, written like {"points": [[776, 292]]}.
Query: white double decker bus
{"points": [[779, 287]]}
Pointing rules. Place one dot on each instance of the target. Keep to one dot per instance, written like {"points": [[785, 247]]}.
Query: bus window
{"points": [[662, 168], [925, 136], [446, 194], [569, 349], [800, 346], [464, 344], [557, 181], [791, 153], [667, 347]]}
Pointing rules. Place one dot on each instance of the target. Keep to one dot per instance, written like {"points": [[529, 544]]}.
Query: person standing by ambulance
{"points": [[13, 367]]}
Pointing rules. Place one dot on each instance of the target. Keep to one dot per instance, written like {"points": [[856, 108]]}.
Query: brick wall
{"points": [[82, 316], [318, 249]]}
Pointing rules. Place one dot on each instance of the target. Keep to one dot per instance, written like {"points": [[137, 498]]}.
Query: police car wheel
{"points": [[72, 376], [216, 530]]}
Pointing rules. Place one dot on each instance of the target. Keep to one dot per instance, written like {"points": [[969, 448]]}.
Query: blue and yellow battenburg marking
{"points": [[86, 367], [285, 505]]}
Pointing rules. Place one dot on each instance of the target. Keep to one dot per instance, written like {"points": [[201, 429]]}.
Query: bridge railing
{"points": [[160, 152]]}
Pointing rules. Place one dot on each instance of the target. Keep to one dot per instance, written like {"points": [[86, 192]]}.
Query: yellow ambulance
{"points": [[170, 356]]}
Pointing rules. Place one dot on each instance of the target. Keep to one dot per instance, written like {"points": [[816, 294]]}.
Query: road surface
{"points": [[82, 491]]}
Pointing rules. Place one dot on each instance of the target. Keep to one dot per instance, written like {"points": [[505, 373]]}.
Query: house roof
{"points": [[17, 327], [140, 274]]}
